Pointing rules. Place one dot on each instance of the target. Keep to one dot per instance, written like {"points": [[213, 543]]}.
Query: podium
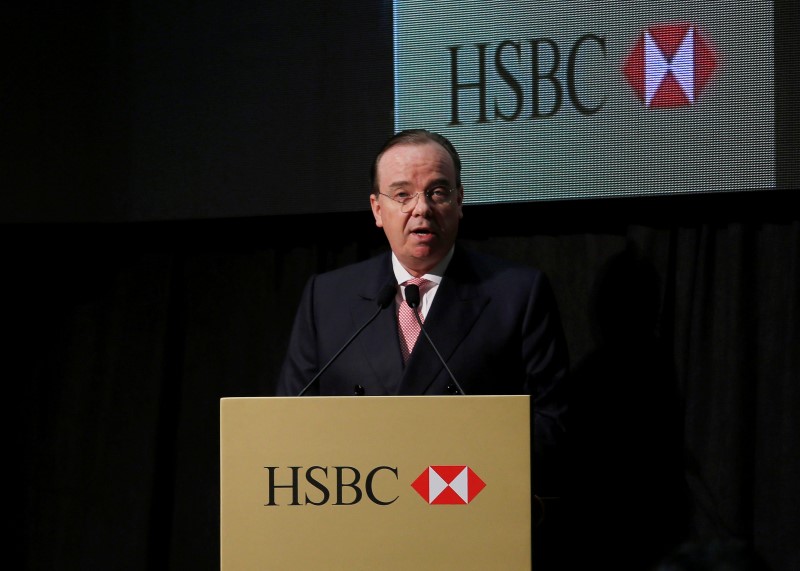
{"points": [[375, 483]]}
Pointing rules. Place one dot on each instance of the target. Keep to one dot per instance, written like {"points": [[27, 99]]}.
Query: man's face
{"points": [[421, 237]]}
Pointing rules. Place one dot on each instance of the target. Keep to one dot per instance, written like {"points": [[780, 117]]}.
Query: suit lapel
{"points": [[378, 343]]}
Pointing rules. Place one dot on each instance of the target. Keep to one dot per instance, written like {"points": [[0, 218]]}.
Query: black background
{"points": [[185, 110]]}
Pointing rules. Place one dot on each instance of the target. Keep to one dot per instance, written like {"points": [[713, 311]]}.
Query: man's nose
{"points": [[422, 206]]}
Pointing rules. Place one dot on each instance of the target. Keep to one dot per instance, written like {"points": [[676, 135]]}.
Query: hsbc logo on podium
{"points": [[351, 485], [448, 485], [670, 65]]}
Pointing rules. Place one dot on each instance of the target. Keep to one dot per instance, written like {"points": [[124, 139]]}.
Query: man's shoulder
{"points": [[381, 261], [365, 275], [514, 281], [489, 265]]}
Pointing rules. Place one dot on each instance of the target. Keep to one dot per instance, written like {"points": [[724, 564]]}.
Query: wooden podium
{"points": [[375, 483]]}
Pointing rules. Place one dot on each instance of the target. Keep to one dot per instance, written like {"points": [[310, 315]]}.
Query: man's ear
{"points": [[375, 204]]}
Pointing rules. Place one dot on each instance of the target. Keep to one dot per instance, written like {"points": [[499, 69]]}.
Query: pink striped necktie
{"points": [[409, 327]]}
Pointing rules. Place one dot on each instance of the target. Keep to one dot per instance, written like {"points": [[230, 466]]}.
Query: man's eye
{"points": [[401, 196], [440, 192]]}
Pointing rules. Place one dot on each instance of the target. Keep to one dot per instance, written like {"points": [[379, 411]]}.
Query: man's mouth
{"points": [[422, 232]]}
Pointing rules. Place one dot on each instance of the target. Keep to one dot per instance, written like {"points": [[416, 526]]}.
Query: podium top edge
{"points": [[376, 397]]}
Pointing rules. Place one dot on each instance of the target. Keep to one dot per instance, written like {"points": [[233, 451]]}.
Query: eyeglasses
{"points": [[438, 195]]}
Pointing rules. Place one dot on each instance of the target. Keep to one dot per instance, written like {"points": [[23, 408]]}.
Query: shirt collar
{"points": [[435, 275]]}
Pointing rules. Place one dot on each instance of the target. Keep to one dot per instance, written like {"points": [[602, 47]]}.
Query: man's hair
{"points": [[414, 137]]}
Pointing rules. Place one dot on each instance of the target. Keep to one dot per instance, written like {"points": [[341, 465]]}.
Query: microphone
{"points": [[384, 299], [412, 299]]}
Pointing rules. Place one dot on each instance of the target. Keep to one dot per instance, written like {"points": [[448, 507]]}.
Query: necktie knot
{"points": [[421, 283]]}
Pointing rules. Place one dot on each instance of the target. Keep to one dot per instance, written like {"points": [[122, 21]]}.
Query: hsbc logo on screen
{"points": [[348, 485], [670, 65]]}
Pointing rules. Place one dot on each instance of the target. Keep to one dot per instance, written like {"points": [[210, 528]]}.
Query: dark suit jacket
{"points": [[495, 323]]}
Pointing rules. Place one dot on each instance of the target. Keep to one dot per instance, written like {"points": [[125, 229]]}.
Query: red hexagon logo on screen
{"points": [[671, 65], [440, 485]]}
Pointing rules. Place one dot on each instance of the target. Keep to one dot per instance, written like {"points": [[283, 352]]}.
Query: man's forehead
{"points": [[405, 155]]}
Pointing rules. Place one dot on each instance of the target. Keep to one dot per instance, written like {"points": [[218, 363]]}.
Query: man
{"points": [[494, 323]]}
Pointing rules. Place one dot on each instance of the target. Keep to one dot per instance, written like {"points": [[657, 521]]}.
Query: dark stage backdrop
{"points": [[681, 316]]}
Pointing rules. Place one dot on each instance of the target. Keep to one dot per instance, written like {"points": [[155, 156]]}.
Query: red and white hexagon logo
{"points": [[448, 485], [670, 65]]}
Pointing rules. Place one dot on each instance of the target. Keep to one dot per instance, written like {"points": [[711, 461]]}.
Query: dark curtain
{"points": [[681, 316]]}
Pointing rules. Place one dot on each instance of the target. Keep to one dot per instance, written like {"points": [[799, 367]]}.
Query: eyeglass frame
{"points": [[414, 198]]}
